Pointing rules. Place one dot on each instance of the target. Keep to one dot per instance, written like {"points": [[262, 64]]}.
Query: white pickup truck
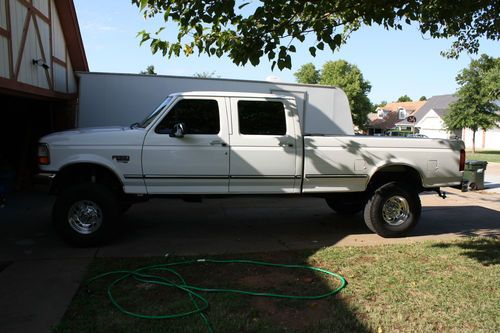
{"points": [[199, 144]]}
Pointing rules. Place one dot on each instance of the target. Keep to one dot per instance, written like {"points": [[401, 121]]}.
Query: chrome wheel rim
{"points": [[396, 210], [85, 217]]}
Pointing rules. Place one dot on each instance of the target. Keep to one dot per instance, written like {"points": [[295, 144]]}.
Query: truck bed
{"points": [[346, 163]]}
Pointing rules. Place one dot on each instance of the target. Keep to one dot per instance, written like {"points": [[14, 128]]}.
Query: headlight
{"points": [[43, 154]]}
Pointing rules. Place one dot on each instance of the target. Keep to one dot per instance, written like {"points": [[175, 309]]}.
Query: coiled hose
{"points": [[146, 275]]}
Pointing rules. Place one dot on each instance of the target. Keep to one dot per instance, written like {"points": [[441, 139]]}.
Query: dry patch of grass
{"points": [[448, 287]]}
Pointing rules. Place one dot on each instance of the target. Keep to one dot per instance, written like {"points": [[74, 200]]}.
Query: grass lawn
{"points": [[486, 155], [424, 287]]}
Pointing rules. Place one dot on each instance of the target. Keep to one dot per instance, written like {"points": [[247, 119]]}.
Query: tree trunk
{"points": [[474, 141]]}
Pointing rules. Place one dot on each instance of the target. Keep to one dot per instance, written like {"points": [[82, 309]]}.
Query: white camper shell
{"points": [[110, 99]]}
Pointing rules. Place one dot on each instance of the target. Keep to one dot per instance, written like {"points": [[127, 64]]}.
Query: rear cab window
{"points": [[261, 117]]}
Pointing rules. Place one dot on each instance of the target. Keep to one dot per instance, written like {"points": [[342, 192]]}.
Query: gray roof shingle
{"points": [[439, 102]]}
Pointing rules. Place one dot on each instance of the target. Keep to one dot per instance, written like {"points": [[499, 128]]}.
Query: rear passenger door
{"points": [[263, 146]]}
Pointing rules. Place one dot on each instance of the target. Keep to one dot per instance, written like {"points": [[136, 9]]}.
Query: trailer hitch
{"points": [[440, 193]]}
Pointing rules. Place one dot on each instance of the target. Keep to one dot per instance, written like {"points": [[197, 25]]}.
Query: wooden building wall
{"points": [[31, 30], [37, 99]]}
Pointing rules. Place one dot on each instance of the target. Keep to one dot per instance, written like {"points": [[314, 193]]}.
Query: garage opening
{"points": [[24, 120]]}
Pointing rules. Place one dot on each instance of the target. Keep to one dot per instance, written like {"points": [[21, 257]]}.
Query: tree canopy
{"points": [[307, 74], [347, 76], [476, 107], [206, 75], [404, 98], [422, 98], [150, 70], [248, 31]]}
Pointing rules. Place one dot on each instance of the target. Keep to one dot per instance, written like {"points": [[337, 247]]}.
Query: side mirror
{"points": [[177, 131]]}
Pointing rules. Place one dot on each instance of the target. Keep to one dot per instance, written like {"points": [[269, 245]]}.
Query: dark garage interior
{"points": [[24, 122]]}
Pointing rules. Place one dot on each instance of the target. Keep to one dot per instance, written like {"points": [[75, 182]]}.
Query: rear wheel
{"points": [[85, 214], [393, 210]]}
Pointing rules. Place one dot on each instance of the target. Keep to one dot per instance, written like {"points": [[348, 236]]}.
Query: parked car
{"points": [[416, 135], [397, 133]]}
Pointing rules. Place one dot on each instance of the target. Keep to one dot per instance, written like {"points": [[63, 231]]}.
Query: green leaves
{"points": [[223, 28], [143, 4], [404, 98], [347, 76], [144, 36], [307, 74], [479, 87]]}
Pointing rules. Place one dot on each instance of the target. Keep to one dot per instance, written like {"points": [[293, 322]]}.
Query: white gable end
{"points": [[433, 126]]}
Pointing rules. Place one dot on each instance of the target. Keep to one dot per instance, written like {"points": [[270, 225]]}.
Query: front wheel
{"points": [[85, 214], [393, 210]]}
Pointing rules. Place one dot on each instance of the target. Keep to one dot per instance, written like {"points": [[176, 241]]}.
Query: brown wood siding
{"points": [[27, 34], [12, 87], [22, 44]]}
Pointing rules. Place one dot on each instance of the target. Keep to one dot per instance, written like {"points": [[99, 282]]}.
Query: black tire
{"points": [[344, 208], [403, 204], [101, 203]]}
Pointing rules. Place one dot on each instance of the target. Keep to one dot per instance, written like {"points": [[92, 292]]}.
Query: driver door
{"points": [[197, 162]]}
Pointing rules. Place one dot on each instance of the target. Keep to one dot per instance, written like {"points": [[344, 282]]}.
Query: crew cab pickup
{"points": [[199, 144]]}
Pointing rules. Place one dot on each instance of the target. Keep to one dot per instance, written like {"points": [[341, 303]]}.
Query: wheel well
{"points": [[86, 173], [400, 173]]}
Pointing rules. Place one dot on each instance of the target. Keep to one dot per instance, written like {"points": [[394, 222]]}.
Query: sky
{"points": [[395, 62]]}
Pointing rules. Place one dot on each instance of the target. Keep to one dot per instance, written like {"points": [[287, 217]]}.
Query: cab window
{"points": [[262, 117], [199, 116]]}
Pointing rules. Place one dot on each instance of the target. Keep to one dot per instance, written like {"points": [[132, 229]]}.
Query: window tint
{"points": [[199, 116], [262, 118]]}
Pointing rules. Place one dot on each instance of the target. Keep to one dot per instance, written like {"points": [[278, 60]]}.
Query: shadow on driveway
{"points": [[222, 226]]}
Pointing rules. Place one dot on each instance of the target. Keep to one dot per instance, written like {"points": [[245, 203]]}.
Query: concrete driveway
{"points": [[39, 273]]}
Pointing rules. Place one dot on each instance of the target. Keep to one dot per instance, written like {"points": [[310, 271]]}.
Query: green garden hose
{"points": [[146, 275]]}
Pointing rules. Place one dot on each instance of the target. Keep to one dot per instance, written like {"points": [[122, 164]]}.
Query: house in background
{"points": [[40, 50], [393, 116], [429, 119], [430, 122]]}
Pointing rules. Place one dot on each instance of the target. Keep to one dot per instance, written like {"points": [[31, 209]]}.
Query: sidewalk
{"points": [[492, 178]]}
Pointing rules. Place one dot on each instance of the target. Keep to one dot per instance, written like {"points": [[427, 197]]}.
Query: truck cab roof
{"points": [[229, 94]]}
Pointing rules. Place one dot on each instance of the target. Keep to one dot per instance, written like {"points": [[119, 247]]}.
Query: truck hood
{"points": [[96, 136]]}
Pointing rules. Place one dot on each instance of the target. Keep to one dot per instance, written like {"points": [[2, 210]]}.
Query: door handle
{"points": [[218, 142], [286, 144]]}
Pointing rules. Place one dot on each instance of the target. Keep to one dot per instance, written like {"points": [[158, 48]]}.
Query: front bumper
{"points": [[43, 181]]}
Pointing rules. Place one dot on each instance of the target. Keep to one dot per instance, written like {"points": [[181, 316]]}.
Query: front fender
{"points": [[90, 159]]}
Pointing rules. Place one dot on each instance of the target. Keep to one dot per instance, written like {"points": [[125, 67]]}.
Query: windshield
{"points": [[153, 114]]}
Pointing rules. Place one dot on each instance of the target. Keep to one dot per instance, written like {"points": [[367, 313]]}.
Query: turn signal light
{"points": [[462, 160], [43, 154]]}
